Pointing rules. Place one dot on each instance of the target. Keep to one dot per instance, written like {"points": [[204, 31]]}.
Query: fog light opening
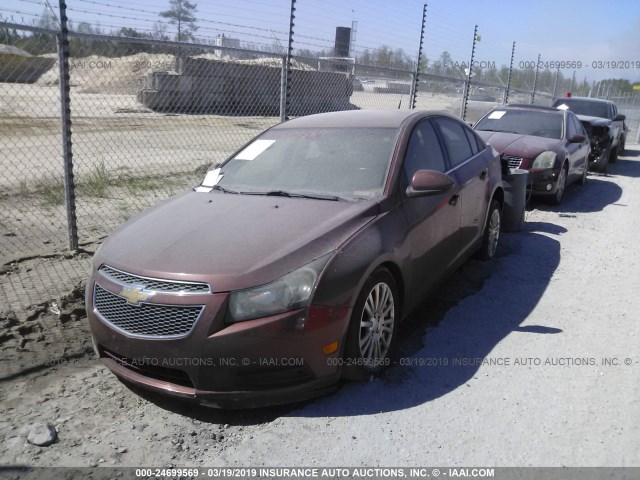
{"points": [[548, 187], [331, 348]]}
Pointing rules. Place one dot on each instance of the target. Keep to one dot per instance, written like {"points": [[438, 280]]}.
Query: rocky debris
{"points": [[42, 434]]}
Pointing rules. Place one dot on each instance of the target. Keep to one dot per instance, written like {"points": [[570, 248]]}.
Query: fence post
{"points": [[465, 95], [285, 93], [65, 108], [283, 89], [505, 100], [416, 75], [535, 82], [555, 85]]}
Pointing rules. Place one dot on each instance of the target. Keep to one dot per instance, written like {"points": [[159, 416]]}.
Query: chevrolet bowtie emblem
{"points": [[135, 294]]}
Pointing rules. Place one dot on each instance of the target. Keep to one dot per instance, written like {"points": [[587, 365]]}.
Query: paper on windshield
{"points": [[562, 107], [255, 149], [497, 115], [212, 178]]}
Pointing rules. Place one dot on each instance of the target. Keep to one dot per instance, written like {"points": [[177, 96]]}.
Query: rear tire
{"points": [[373, 327]]}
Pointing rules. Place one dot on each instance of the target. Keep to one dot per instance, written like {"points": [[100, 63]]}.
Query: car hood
{"points": [[514, 144], [231, 241], [594, 120]]}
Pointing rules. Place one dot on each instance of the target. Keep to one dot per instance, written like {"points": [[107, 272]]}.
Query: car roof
{"points": [[526, 106], [359, 118]]}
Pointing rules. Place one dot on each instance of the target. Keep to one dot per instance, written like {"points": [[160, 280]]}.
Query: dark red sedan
{"points": [[294, 262], [551, 144]]}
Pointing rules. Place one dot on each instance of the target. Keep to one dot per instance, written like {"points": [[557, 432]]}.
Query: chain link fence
{"points": [[149, 117]]}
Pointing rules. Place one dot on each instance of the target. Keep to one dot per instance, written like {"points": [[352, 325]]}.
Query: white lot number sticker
{"points": [[497, 115], [212, 178], [255, 149], [562, 107]]}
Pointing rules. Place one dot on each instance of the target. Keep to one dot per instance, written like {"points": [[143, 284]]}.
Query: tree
{"points": [[46, 21], [445, 62], [159, 31], [181, 14]]}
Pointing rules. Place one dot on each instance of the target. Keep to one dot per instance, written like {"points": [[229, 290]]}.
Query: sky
{"points": [[588, 34]]}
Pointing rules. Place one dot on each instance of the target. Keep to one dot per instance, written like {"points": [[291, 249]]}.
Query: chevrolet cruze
{"points": [[294, 262]]}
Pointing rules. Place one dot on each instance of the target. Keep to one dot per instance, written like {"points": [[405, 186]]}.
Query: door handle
{"points": [[483, 175], [454, 199]]}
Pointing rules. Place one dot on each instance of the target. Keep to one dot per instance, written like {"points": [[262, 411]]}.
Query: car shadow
{"points": [[592, 197], [631, 153], [625, 168], [462, 322], [447, 327]]}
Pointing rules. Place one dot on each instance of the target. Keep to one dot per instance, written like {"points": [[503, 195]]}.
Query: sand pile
{"points": [[127, 75]]}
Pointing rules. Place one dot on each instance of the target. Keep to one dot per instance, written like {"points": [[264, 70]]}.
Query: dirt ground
{"points": [[553, 321]]}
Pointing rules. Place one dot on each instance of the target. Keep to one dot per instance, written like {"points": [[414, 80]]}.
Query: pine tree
{"points": [[181, 14]]}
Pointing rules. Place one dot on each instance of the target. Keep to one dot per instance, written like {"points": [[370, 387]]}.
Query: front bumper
{"points": [[254, 363], [543, 182]]}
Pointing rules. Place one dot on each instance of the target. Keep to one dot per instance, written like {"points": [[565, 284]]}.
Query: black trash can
{"points": [[515, 199]]}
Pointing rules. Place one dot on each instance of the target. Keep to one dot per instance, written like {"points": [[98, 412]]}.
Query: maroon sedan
{"points": [[550, 143], [293, 263]]}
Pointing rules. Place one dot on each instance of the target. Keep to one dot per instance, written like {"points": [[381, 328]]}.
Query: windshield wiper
{"points": [[498, 131], [222, 189], [282, 193]]}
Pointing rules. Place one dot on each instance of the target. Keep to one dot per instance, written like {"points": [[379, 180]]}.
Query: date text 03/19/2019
{"points": [[579, 64]]}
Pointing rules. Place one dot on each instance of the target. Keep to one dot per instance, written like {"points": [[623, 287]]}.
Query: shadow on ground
{"points": [[457, 335], [592, 197], [626, 168]]}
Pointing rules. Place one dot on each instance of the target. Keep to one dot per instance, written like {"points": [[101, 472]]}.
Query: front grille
{"points": [[514, 162], [154, 284], [146, 319]]}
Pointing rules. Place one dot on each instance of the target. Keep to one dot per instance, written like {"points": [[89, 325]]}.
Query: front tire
{"points": [[613, 154], [373, 326], [621, 145], [561, 185], [491, 233], [583, 178], [603, 160]]}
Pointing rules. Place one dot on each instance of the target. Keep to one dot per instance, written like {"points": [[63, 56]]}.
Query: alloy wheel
{"points": [[377, 322]]}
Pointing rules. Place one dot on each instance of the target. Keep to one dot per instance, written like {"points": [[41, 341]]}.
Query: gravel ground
{"points": [[553, 320]]}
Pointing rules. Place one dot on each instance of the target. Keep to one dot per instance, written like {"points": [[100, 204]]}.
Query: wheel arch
{"points": [[396, 273], [498, 194]]}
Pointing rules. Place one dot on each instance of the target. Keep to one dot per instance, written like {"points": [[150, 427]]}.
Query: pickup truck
{"points": [[605, 126]]}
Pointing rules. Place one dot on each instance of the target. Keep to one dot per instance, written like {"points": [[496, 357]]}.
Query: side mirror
{"points": [[620, 118], [429, 182], [577, 139]]}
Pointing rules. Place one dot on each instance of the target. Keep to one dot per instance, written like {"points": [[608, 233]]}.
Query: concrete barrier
{"points": [[515, 199], [212, 86]]}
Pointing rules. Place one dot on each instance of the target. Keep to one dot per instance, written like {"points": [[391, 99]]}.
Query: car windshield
{"points": [[523, 122], [584, 107], [349, 163]]}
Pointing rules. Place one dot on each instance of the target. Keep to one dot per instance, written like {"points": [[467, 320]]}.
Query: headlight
{"points": [[289, 292], [545, 160]]}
